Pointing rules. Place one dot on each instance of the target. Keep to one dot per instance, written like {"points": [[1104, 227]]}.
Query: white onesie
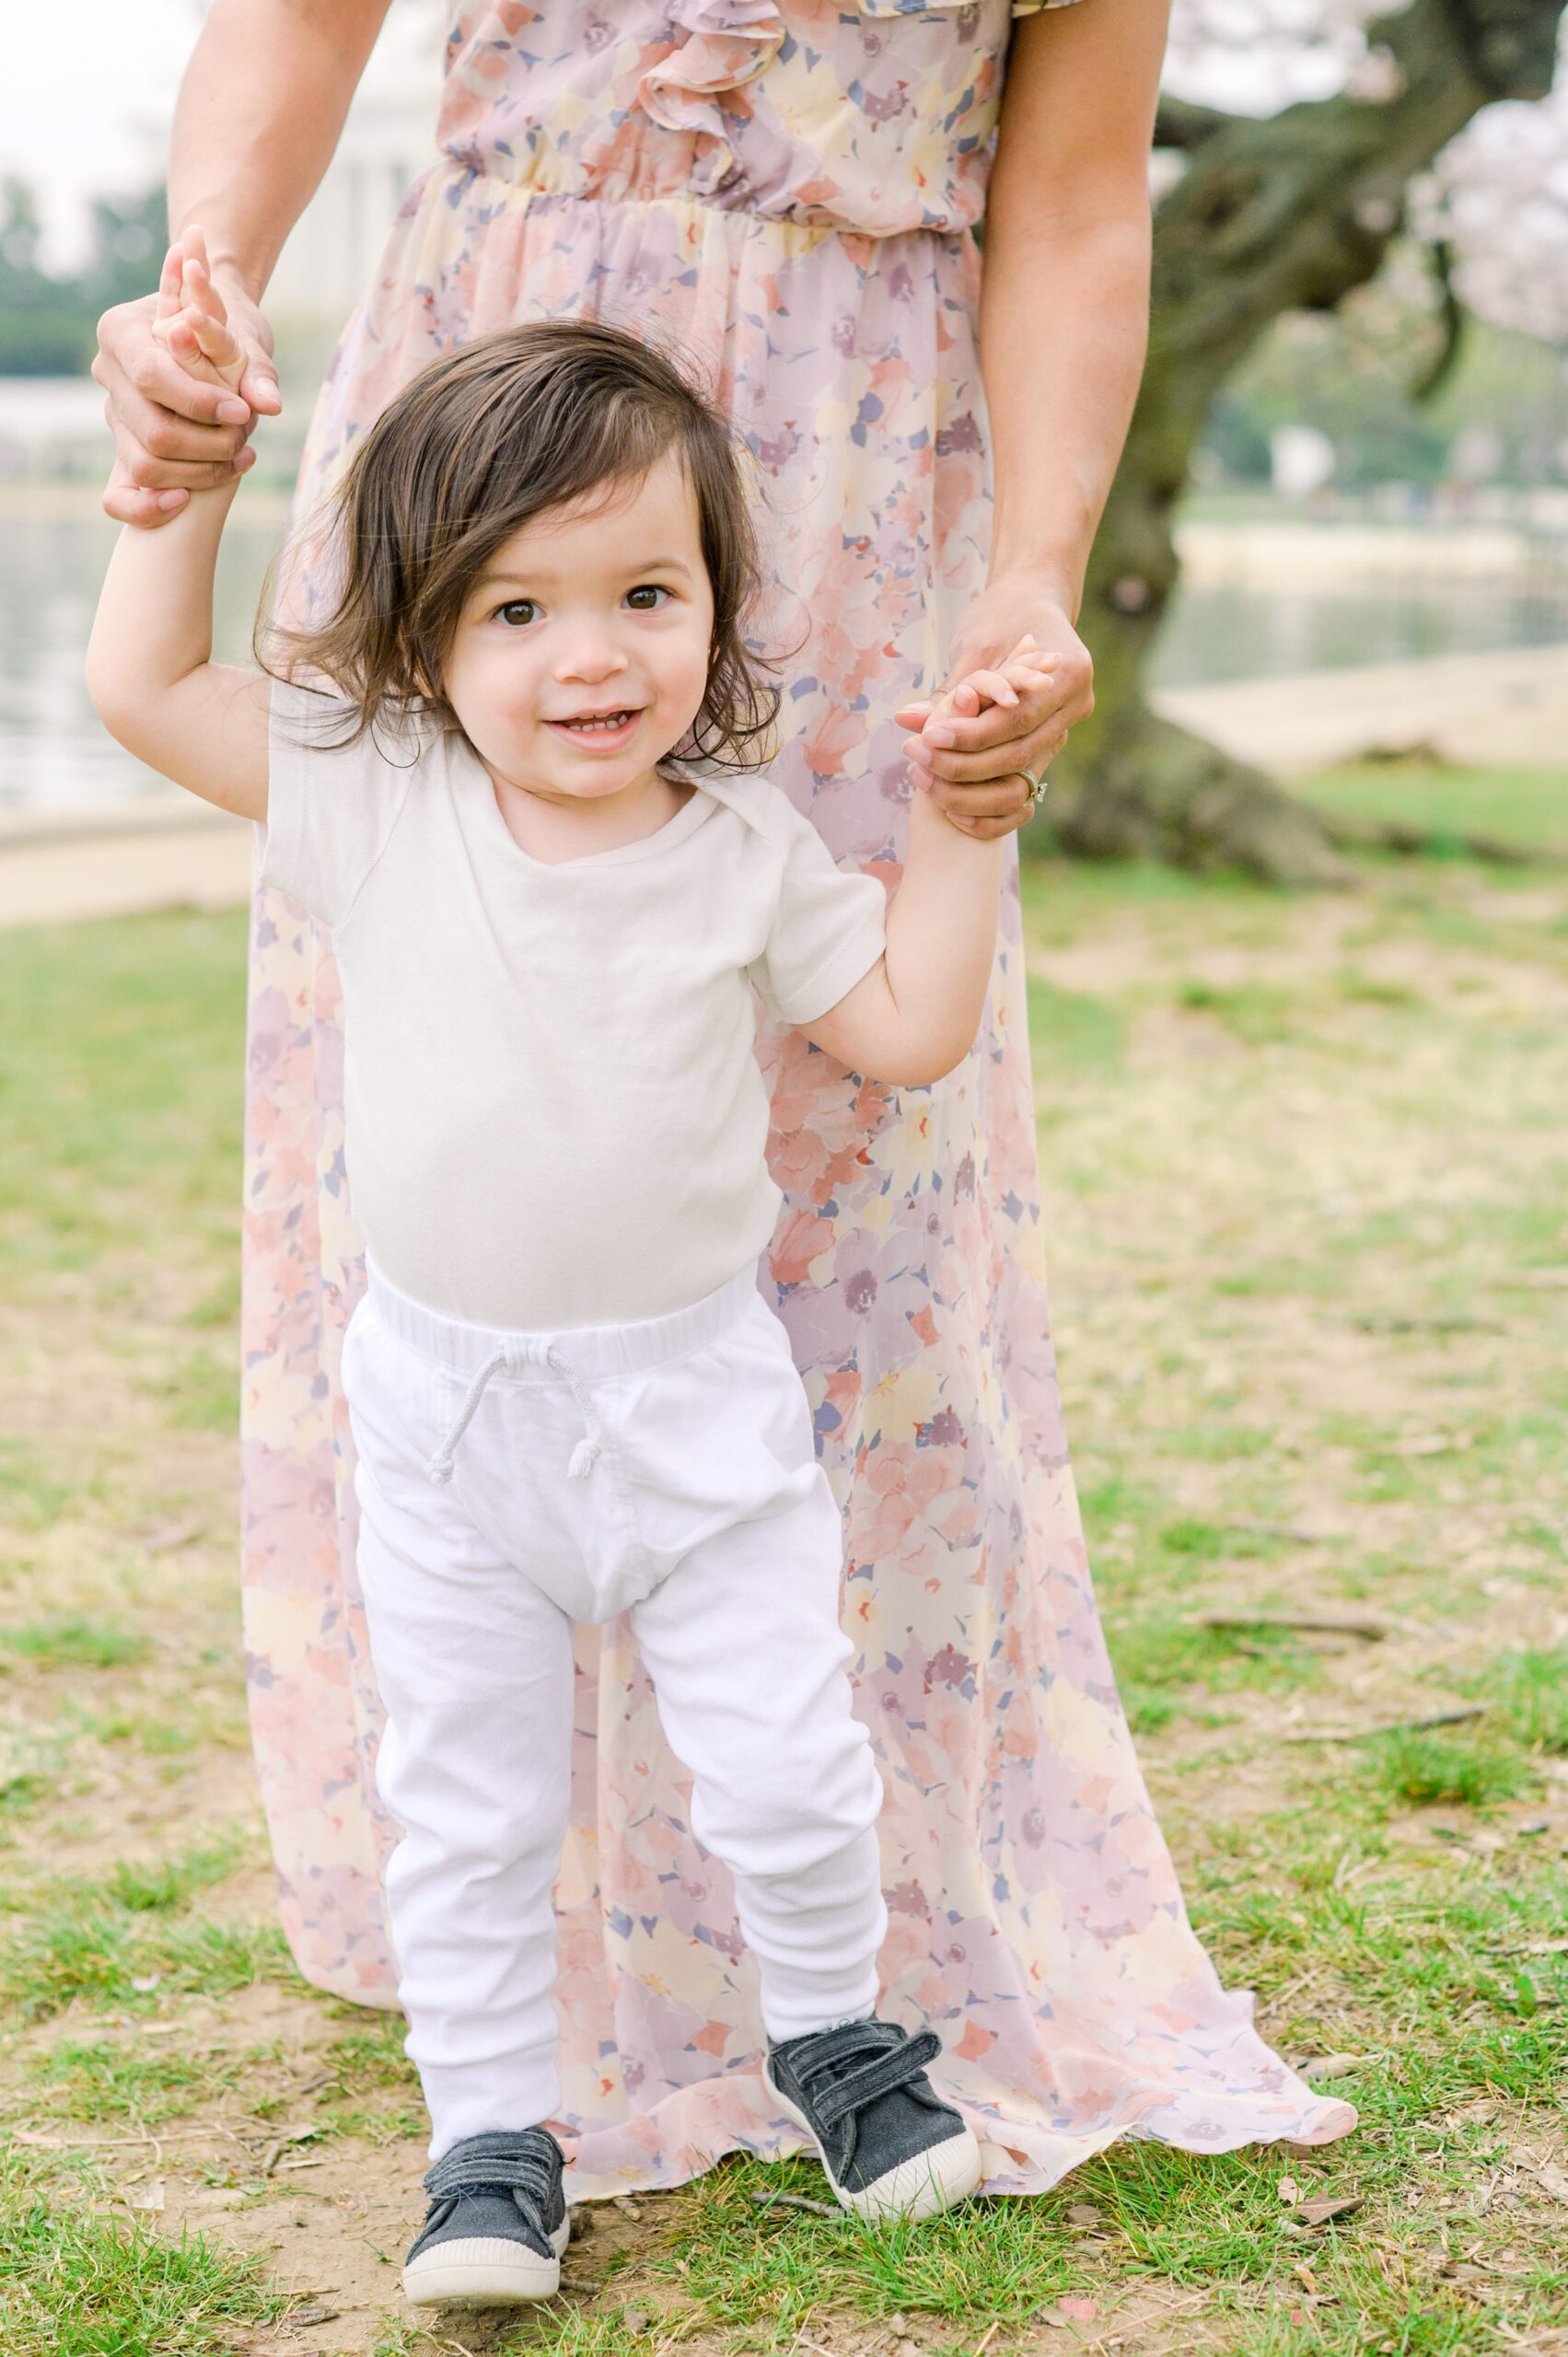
{"points": [[553, 1111]]}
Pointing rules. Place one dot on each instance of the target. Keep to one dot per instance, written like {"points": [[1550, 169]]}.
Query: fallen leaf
{"points": [[1083, 2213], [1324, 2206], [314, 2314], [1450, 1718], [1288, 2189], [1327, 1624], [164, 1537], [1553, 2180], [1334, 2066], [283, 2139], [770, 2200], [147, 2197]]}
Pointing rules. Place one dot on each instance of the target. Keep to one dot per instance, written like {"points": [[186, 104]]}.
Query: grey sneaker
{"points": [[497, 2223], [890, 2144]]}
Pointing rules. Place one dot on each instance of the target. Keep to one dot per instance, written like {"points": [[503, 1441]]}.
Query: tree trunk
{"points": [[1286, 213]]}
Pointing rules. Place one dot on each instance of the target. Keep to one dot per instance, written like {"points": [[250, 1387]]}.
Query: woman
{"points": [[787, 194]]}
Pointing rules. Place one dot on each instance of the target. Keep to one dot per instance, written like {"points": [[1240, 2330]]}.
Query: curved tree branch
{"points": [[1450, 318], [1179, 123]]}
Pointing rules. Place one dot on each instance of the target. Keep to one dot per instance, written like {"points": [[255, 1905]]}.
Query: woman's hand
{"points": [[970, 750], [175, 432]]}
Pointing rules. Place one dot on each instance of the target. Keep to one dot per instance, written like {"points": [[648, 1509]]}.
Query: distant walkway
{"points": [[1503, 710], [147, 854], [1496, 710]]}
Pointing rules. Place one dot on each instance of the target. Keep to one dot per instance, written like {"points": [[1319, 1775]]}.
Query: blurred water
{"points": [[54, 757], [1238, 631]]}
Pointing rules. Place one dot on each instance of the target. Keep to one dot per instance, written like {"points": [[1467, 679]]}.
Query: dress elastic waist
{"points": [[595, 1351], [445, 183]]}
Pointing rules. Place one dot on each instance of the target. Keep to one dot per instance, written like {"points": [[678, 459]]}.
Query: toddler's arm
{"points": [[202, 724], [914, 1016]]}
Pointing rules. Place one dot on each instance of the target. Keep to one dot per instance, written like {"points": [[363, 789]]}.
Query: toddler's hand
{"points": [[1024, 672], [191, 319]]}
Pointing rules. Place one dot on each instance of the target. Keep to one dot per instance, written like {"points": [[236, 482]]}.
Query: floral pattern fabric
{"points": [[785, 195]]}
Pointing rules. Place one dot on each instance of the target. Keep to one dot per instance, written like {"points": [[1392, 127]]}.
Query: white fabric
{"points": [[553, 1111], [704, 1515]]}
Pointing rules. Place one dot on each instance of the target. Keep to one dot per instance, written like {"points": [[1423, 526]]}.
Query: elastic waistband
{"points": [[593, 1352]]}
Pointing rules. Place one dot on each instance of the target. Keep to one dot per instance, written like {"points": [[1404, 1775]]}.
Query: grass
{"points": [[107, 2081], [1523, 808], [75, 1642], [1305, 1177], [75, 2283], [134, 1934]]}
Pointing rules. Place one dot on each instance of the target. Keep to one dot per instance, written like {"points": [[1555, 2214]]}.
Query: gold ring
{"points": [[1037, 786]]}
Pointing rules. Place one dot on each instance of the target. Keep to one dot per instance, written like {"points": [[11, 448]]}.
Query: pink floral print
{"points": [[786, 196]]}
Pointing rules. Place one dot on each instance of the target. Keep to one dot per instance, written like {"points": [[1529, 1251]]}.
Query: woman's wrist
{"points": [[1042, 581]]}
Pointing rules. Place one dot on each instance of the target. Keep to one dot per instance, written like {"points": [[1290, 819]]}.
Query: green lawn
{"points": [[1306, 1181]]}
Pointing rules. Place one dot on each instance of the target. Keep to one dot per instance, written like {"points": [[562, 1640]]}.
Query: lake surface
{"points": [[56, 757]]}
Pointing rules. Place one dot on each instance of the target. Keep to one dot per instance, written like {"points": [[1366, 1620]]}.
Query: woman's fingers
{"points": [[1025, 736], [146, 509], [1002, 799], [1034, 751], [998, 807], [150, 437], [139, 375]]}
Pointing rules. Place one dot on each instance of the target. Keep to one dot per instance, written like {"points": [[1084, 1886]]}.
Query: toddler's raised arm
{"points": [[202, 724], [914, 1016]]}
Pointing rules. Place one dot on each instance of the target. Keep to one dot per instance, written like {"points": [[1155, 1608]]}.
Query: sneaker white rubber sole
{"points": [[485, 2271], [921, 2188]]}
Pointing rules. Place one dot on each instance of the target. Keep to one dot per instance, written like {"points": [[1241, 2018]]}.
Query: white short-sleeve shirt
{"points": [[553, 1110]]}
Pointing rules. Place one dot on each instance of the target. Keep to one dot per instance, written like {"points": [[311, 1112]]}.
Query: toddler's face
{"points": [[580, 656]]}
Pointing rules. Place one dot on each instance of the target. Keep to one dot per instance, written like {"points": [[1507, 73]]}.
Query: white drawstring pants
{"points": [[511, 1484]]}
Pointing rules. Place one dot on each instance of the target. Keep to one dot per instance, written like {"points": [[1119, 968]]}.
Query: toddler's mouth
{"points": [[595, 726]]}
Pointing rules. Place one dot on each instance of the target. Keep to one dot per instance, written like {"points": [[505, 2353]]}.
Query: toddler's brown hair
{"points": [[483, 440]]}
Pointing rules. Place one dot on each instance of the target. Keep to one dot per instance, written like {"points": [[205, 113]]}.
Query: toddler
{"points": [[514, 769]]}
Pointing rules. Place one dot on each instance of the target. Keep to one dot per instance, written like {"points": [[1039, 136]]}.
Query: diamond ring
{"points": [[1037, 786]]}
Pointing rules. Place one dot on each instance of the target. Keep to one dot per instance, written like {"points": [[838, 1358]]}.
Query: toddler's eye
{"points": [[517, 613], [642, 599]]}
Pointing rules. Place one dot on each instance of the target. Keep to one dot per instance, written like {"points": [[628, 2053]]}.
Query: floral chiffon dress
{"points": [[785, 195]]}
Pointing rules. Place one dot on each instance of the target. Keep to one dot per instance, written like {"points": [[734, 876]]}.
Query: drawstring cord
{"points": [[584, 1457], [440, 1465], [586, 1454]]}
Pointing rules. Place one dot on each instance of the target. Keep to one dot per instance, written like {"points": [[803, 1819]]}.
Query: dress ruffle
{"points": [[727, 44]]}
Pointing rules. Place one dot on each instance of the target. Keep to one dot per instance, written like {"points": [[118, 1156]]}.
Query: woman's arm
{"points": [[1063, 324], [261, 108], [1064, 297]]}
